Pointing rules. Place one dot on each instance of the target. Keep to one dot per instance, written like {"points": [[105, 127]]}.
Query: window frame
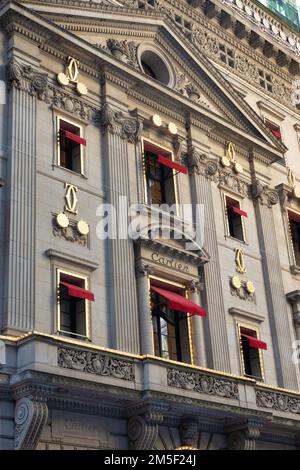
{"points": [[168, 283], [264, 81], [227, 234], [85, 278], [290, 238], [255, 329], [59, 118], [175, 175]]}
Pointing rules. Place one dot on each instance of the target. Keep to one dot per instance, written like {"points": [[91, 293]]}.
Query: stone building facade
{"points": [[157, 342]]}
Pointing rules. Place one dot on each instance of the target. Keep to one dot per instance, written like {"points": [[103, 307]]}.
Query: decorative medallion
{"points": [[71, 76], [82, 227], [156, 120], [250, 287], [62, 220], [172, 128], [236, 282], [240, 261], [71, 198]]}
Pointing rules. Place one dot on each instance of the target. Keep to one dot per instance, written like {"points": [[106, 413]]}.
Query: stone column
{"points": [[146, 329], [264, 199], [202, 172], [118, 133], [25, 84], [198, 326]]}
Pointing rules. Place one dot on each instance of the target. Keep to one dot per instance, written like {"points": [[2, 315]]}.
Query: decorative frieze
{"points": [[116, 123], [202, 383], [277, 401], [95, 363]]}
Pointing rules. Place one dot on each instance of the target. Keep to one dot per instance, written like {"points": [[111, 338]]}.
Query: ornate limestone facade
{"points": [[206, 91]]}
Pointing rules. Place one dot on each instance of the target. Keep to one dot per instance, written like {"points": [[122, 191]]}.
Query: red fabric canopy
{"points": [[294, 216], [178, 302], [254, 342], [175, 166], [75, 138], [239, 211], [79, 292], [276, 133]]}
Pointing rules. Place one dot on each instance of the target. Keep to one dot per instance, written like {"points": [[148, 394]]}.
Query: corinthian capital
{"points": [[114, 122], [263, 195], [26, 78]]}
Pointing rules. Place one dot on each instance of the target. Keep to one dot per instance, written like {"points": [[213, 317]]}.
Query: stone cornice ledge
{"points": [[237, 312], [55, 254]]}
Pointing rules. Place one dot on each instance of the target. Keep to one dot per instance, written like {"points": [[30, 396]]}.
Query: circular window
{"points": [[154, 64]]}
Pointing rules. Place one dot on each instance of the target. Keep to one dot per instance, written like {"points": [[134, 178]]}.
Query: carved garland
{"points": [[277, 401], [202, 383], [95, 363]]}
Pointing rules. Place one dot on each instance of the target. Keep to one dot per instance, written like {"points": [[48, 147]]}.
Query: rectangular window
{"points": [[73, 305], [170, 328], [160, 176], [294, 226], [226, 55], [70, 148], [235, 218], [274, 128], [265, 80], [250, 353]]}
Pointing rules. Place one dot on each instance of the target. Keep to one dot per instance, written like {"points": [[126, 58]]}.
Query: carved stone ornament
{"points": [[69, 233], [114, 122], [95, 363], [202, 383], [143, 269], [188, 431], [186, 88], [30, 419], [26, 78], [143, 429], [245, 435], [232, 182], [244, 290], [278, 401], [124, 50], [263, 195]]}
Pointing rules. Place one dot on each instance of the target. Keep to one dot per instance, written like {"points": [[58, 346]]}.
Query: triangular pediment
{"points": [[122, 34]]}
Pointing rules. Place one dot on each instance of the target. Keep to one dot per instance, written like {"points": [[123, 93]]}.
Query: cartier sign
{"points": [[169, 262]]}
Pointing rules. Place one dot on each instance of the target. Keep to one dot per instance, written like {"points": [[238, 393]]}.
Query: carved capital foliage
{"points": [[143, 429], [128, 128], [202, 383], [278, 401], [195, 286], [124, 50], [30, 418], [233, 182], [26, 78], [95, 363], [263, 195], [188, 431], [244, 435], [143, 269]]}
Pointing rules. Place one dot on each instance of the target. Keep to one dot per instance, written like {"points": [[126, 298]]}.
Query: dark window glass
{"points": [[235, 223], [160, 181], [72, 309], [70, 151], [170, 330], [251, 357], [295, 235]]}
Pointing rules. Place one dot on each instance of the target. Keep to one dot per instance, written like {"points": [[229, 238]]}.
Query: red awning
{"points": [[75, 291], [237, 210], [75, 138], [254, 342], [276, 133], [294, 216], [169, 163], [178, 302]]}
